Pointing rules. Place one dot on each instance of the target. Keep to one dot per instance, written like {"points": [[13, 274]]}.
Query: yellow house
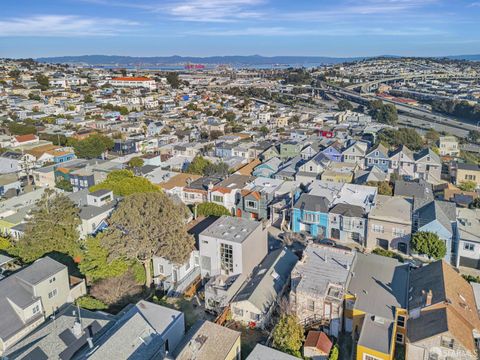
{"points": [[375, 306], [339, 172]]}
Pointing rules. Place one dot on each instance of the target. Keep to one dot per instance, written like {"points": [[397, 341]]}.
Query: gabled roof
{"points": [[348, 210], [25, 138], [314, 203], [427, 152], [442, 211], [453, 307], [319, 340], [380, 148], [268, 279], [402, 149]]}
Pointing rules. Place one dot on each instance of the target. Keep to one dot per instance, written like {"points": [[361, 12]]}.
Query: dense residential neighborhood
{"points": [[232, 214]]}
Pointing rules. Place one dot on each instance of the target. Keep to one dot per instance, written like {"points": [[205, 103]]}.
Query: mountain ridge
{"points": [[227, 59]]}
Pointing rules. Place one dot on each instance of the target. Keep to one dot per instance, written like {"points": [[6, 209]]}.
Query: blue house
{"points": [[268, 168], [379, 157], [438, 217], [63, 156], [154, 128], [124, 147], [333, 152], [310, 215]]}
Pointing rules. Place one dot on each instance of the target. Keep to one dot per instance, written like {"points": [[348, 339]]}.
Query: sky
{"points": [[338, 28]]}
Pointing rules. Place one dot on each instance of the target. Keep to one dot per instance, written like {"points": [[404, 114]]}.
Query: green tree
{"points": [[173, 80], [5, 244], [90, 303], [293, 121], [383, 113], [220, 169], [467, 186], [428, 243], [230, 116], [264, 130], [21, 129], [95, 264], [53, 226], [88, 98], [135, 162], [198, 165], [288, 335], [145, 225], [124, 183], [212, 209], [432, 136], [344, 105], [92, 147], [334, 353], [42, 80], [403, 136], [64, 185]]}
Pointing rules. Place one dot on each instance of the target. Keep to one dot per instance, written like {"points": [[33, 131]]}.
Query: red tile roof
{"points": [[139, 78], [24, 138]]}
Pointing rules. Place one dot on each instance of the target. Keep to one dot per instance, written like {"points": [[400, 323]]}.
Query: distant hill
{"points": [[216, 60]]}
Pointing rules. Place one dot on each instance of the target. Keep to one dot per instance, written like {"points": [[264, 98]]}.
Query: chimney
{"points": [[428, 298]]}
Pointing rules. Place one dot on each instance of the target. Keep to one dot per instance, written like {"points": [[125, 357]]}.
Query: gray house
{"points": [[258, 296], [145, 331]]}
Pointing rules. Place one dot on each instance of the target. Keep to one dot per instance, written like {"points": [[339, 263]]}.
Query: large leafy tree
{"points": [[428, 243], [344, 105], [468, 186], [92, 147], [288, 335], [148, 224], [53, 226], [198, 165], [124, 182]]}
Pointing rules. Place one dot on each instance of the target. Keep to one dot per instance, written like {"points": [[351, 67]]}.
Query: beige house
{"points": [[390, 224], [467, 173], [31, 295], [448, 146], [209, 341]]}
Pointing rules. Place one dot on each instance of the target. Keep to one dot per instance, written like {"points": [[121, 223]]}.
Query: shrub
{"points": [[90, 303]]}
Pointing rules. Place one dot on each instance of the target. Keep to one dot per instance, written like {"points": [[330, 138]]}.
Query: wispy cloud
{"points": [[63, 26], [344, 31], [215, 10]]}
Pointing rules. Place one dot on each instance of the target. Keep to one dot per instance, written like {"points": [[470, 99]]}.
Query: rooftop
{"points": [[230, 228], [206, 341]]}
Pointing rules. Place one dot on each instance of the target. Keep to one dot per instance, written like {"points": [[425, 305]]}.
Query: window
{"points": [[237, 311], [370, 357], [399, 338], [469, 246], [401, 321], [52, 294], [311, 305], [377, 228], [251, 204], [36, 309], [310, 218], [218, 198], [254, 317], [226, 257], [161, 270], [52, 280], [398, 232], [187, 265]]}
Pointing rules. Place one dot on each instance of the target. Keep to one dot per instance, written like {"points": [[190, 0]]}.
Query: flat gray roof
{"points": [[376, 333], [231, 229], [262, 352]]}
